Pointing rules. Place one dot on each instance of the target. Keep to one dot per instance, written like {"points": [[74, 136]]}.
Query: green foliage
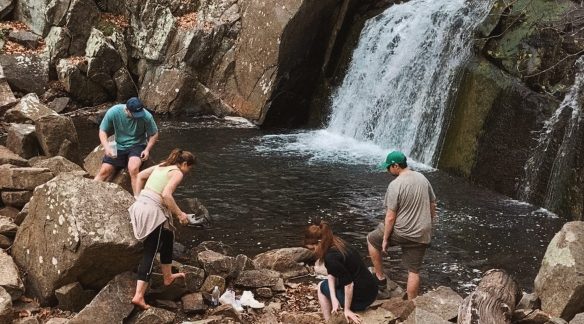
{"points": [[106, 27]]}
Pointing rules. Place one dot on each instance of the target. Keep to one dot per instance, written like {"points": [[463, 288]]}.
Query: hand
{"points": [[182, 218], [335, 303], [350, 316], [384, 246], [144, 155], [108, 151]]}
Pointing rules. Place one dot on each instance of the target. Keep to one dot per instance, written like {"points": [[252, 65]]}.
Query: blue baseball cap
{"points": [[136, 107]]}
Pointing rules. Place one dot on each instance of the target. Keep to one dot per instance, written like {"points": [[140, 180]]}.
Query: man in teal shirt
{"points": [[135, 133]]}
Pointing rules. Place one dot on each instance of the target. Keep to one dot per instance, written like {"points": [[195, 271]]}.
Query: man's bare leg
{"points": [[105, 172], [413, 285], [377, 261], [134, 164]]}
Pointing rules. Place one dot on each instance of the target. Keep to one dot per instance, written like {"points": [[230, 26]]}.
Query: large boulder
{"points": [[6, 7], [17, 198], [153, 315], [6, 313], [28, 110], [79, 230], [57, 136], [7, 98], [217, 264], [57, 45], [442, 302], [57, 165], [167, 89], [9, 157], [258, 278], [28, 72], [288, 261], [33, 14], [103, 62], [73, 297], [22, 140], [559, 283], [152, 26], [25, 38], [9, 276], [112, 304], [22, 178], [72, 72], [7, 226]]}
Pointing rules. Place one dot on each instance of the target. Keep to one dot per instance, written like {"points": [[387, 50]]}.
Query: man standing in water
{"points": [[135, 134], [410, 205]]}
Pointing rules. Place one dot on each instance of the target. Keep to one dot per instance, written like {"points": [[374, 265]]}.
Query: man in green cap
{"points": [[410, 205]]}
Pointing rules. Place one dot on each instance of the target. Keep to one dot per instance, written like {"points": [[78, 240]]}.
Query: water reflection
{"points": [[262, 199]]}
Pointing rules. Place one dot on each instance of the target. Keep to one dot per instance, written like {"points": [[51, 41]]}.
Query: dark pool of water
{"points": [[261, 201]]}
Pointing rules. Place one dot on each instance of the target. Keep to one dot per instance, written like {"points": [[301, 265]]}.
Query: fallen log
{"points": [[493, 301]]}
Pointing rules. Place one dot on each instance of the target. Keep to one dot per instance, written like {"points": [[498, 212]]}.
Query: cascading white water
{"points": [[396, 91], [567, 119]]}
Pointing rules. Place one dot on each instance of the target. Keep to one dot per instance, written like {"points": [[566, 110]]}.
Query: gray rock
{"points": [[57, 320], [57, 45], [422, 316], [152, 26], [229, 312], [442, 301], [288, 261], [167, 89], [16, 198], [6, 7], [578, 319], [7, 226], [279, 287], [125, 86], [528, 301], [159, 291], [399, 307], [207, 102], [73, 75], [22, 178], [59, 104], [7, 98], [73, 297], [217, 264], [28, 110], [194, 277], [529, 316], [193, 303], [33, 14], [215, 246], [9, 157], [21, 215], [24, 38], [57, 136], [212, 281], [377, 316], [153, 315], [22, 140], [9, 277], [557, 320], [57, 165], [9, 212], [5, 242], [79, 229], [559, 283], [264, 292], [6, 315], [27, 72], [103, 62], [81, 16], [300, 318], [27, 320], [258, 278], [112, 303]]}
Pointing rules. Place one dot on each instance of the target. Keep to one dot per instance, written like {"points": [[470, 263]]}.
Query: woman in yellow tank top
{"points": [[151, 217]]}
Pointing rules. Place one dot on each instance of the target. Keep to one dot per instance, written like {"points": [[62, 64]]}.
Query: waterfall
{"points": [[547, 171], [397, 87]]}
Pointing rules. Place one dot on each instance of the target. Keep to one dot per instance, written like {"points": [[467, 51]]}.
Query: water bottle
{"points": [[114, 147], [215, 296]]}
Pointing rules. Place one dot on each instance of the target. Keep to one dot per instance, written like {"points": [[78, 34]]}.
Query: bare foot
{"points": [[141, 303], [169, 280]]}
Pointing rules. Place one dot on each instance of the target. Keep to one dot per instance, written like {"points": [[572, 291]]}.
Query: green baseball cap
{"points": [[393, 158]]}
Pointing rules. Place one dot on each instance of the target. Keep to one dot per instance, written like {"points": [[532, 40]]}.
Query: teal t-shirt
{"points": [[128, 131]]}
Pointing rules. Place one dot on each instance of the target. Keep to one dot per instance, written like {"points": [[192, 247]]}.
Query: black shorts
{"points": [[121, 161]]}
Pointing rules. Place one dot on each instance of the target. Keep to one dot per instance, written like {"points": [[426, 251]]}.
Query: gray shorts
{"points": [[412, 252]]}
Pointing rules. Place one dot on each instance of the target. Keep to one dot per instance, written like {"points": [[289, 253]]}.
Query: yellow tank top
{"points": [[159, 178]]}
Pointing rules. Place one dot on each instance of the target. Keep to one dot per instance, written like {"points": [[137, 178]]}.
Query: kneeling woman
{"points": [[151, 217], [349, 283]]}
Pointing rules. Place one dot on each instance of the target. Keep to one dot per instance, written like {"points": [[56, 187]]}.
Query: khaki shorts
{"points": [[412, 252]]}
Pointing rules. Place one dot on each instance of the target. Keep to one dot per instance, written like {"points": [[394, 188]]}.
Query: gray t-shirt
{"points": [[409, 195]]}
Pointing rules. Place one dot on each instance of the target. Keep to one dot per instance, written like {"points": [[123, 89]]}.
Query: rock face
{"points": [[78, 230], [29, 109], [73, 297], [9, 277], [494, 113], [5, 307], [112, 304], [559, 283]]}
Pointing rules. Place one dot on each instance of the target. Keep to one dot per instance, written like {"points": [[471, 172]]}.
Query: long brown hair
{"points": [[178, 156], [322, 236]]}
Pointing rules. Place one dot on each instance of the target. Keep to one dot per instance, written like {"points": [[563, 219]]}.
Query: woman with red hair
{"points": [[349, 283]]}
